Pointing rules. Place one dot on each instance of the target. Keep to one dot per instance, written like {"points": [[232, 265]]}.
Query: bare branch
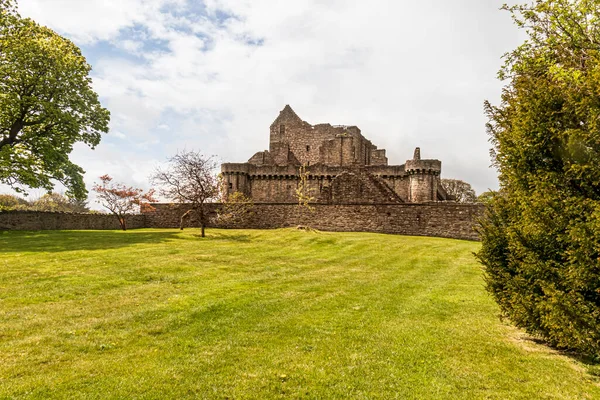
{"points": [[190, 178]]}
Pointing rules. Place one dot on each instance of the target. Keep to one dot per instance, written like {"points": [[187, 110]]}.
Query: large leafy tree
{"points": [[7, 11], [460, 190], [52, 202], [10, 202], [58, 202], [541, 237], [47, 104]]}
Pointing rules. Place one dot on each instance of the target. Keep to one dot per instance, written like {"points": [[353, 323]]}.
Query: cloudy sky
{"points": [[212, 75]]}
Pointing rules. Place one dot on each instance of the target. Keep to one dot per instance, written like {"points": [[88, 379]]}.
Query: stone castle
{"points": [[354, 190], [341, 166]]}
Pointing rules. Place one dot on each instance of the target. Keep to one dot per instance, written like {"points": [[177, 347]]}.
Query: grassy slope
{"points": [[260, 314]]}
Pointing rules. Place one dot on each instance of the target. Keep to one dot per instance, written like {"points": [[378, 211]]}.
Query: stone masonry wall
{"points": [[433, 219], [277, 184], [321, 143], [35, 221], [356, 188]]}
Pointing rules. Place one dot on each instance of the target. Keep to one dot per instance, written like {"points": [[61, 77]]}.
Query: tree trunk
{"points": [[183, 217], [121, 221], [202, 225], [12, 135]]}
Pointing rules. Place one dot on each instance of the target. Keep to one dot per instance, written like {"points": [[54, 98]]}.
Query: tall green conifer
{"points": [[541, 236]]}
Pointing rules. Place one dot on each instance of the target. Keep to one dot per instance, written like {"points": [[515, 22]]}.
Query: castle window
{"points": [[307, 148], [230, 185], [282, 129]]}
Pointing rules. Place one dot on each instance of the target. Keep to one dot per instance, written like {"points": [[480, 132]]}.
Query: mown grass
{"points": [[160, 314]]}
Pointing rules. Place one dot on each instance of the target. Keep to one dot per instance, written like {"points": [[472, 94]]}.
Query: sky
{"points": [[212, 76]]}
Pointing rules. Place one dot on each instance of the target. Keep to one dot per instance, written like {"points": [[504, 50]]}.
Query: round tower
{"points": [[423, 178], [235, 178]]}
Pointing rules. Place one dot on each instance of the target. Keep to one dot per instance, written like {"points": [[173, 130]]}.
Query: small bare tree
{"points": [[304, 194], [189, 179], [121, 200], [236, 208], [303, 190]]}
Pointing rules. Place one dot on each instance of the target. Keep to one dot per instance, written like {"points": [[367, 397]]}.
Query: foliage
{"points": [[190, 179], [122, 200], [303, 190], [52, 202], [47, 104], [541, 235], [261, 314], [59, 202], [486, 196], [10, 202], [235, 208], [460, 190], [8, 13], [9, 17]]}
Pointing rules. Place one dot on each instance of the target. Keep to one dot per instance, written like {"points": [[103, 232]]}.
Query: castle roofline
{"points": [[287, 113]]}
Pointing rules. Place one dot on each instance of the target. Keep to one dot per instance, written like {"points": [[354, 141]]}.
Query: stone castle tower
{"points": [[342, 167]]}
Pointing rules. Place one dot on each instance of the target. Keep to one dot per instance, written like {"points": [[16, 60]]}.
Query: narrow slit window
{"points": [[282, 129], [230, 185], [307, 148]]}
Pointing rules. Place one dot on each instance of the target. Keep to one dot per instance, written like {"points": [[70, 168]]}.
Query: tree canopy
{"points": [[59, 202], [486, 196], [53, 202], [122, 200], [47, 104], [10, 202], [460, 190], [541, 235]]}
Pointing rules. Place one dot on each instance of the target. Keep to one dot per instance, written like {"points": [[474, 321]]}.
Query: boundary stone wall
{"points": [[448, 220], [40, 221]]}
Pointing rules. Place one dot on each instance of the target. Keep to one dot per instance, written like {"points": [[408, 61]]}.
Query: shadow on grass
{"points": [[58, 241], [592, 364]]}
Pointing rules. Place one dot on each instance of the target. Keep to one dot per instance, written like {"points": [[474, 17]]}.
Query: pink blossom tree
{"points": [[121, 200]]}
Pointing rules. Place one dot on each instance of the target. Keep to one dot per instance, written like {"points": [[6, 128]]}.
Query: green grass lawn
{"points": [[261, 314]]}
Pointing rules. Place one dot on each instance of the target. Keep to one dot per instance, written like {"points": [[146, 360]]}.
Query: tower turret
{"points": [[423, 178]]}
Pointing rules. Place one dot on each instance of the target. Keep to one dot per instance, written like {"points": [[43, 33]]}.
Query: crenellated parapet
{"points": [[235, 168], [429, 167], [418, 166], [318, 170], [424, 179]]}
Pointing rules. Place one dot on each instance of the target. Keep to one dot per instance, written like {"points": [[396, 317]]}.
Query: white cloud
{"points": [[92, 20], [407, 73]]}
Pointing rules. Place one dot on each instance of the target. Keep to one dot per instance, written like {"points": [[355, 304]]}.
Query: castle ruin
{"points": [[354, 190], [342, 167]]}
